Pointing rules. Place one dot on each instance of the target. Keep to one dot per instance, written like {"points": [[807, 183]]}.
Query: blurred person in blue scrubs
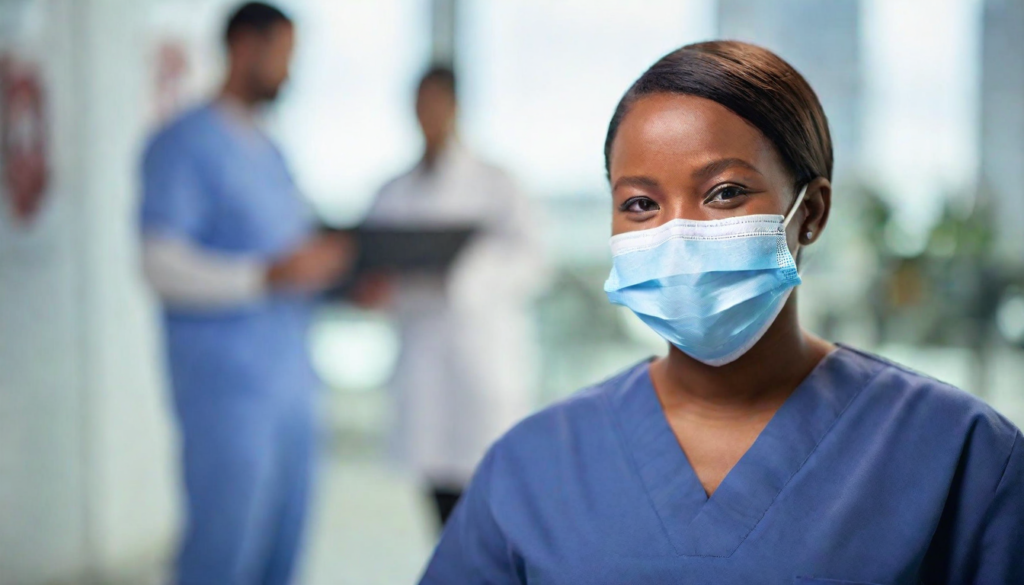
{"points": [[229, 246], [466, 366], [754, 452]]}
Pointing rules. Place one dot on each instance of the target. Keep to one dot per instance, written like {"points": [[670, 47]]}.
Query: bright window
{"points": [[542, 77], [346, 121]]}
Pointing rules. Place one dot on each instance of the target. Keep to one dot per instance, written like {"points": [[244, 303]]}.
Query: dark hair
{"points": [[253, 16], [754, 83], [440, 74]]}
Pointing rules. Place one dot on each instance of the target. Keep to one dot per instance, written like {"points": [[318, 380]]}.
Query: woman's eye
{"points": [[726, 193], [639, 205]]}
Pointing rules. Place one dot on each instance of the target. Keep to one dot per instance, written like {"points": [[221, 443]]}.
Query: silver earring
{"points": [[809, 234]]}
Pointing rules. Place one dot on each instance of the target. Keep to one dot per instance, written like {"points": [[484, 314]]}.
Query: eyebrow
{"points": [[718, 166], [636, 182]]}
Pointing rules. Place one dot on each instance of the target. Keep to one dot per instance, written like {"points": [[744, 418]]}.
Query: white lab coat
{"points": [[466, 369]]}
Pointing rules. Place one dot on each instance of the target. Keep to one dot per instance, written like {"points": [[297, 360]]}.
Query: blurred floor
{"points": [[370, 528]]}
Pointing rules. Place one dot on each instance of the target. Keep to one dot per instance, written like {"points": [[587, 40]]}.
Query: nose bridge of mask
{"points": [[687, 229], [696, 231]]}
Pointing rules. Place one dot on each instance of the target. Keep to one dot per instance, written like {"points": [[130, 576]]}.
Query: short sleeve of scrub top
{"points": [[175, 200], [868, 474]]}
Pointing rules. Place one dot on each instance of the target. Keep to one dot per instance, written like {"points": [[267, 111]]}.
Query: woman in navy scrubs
{"points": [[754, 452]]}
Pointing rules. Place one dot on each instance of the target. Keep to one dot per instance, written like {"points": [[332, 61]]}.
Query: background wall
{"points": [[85, 449]]}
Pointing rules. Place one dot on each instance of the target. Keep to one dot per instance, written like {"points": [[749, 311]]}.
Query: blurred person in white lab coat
{"points": [[466, 368]]}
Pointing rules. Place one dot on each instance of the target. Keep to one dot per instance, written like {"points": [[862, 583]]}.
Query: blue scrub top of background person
{"points": [[222, 185]]}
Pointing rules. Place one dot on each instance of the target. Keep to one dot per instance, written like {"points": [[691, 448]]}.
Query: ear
{"points": [[817, 206]]}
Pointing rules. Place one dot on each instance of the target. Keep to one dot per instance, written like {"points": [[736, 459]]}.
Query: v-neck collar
{"points": [[715, 527]]}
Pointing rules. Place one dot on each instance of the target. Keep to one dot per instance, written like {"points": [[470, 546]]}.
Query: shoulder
{"points": [[557, 430], [497, 176], [916, 401], [180, 134], [482, 169], [398, 184], [494, 171]]}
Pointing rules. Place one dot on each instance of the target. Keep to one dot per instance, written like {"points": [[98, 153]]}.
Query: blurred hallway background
{"points": [[923, 261]]}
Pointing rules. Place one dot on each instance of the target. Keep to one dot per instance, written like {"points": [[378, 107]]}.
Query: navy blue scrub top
{"points": [[868, 473]]}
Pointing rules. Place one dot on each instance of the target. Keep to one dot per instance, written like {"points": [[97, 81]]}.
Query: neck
{"points": [[762, 378], [430, 157], [432, 152], [235, 95]]}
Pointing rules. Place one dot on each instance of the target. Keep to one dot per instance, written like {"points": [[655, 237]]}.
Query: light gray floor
{"points": [[369, 528]]}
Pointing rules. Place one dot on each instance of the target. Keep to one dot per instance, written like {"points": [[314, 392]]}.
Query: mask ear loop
{"points": [[796, 206], [789, 217]]}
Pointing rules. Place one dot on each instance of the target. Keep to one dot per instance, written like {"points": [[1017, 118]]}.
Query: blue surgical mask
{"points": [[711, 288]]}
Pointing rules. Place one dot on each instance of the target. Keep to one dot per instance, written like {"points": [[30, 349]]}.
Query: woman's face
{"points": [[684, 157]]}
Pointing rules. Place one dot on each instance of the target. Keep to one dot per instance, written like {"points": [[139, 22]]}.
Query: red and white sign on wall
{"points": [[172, 77], [23, 134]]}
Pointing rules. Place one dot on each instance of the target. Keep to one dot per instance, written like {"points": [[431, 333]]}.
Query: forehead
{"points": [[283, 32], [433, 88], [280, 35], [684, 132]]}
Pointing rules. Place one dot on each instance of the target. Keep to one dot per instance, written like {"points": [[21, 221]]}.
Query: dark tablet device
{"points": [[402, 250], [409, 249]]}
